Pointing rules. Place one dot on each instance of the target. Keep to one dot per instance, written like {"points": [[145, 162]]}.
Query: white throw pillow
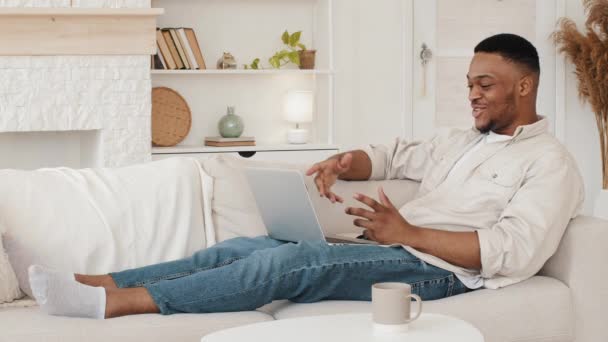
{"points": [[9, 287], [96, 221], [235, 213]]}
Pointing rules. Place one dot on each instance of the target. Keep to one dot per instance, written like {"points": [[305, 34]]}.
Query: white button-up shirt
{"points": [[518, 194]]}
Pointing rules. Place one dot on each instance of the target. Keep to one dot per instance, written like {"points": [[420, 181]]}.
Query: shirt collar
{"points": [[527, 131], [493, 137], [524, 131]]}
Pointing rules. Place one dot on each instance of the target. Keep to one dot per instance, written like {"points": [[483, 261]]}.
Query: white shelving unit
{"points": [[251, 29], [242, 72], [209, 149]]}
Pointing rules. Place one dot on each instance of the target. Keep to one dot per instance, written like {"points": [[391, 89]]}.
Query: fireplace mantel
{"points": [[78, 31]]}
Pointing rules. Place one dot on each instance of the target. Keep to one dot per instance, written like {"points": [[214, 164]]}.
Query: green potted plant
{"points": [[294, 52]]}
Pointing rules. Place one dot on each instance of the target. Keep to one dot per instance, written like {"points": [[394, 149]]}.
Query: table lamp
{"points": [[298, 109]]}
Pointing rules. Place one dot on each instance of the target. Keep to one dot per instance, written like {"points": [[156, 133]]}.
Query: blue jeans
{"points": [[246, 273]]}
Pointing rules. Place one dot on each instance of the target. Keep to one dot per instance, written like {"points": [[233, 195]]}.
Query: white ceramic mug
{"points": [[391, 304]]}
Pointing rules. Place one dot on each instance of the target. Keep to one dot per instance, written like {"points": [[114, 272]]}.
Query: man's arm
{"points": [[457, 248], [400, 160], [386, 225]]}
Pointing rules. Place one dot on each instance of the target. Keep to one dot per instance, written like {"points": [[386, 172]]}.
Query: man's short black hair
{"points": [[512, 48]]}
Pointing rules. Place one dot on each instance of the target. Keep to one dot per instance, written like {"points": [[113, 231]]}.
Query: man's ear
{"points": [[526, 84]]}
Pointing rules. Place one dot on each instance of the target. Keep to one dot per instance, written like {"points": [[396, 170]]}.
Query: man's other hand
{"points": [[327, 172], [383, 223]]}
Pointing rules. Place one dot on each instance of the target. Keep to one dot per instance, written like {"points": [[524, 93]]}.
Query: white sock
{"points": [[59, 294]]}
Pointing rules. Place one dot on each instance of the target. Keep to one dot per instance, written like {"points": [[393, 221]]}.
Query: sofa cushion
{"points": [[30, 324], [235, 212], [100, 220], [538, 309]]}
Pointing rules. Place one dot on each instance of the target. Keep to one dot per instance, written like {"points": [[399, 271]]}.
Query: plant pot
{"points": [[307, 59], [601, 205]]}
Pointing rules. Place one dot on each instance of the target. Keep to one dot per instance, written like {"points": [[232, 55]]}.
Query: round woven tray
{"points": [[171, 117]]}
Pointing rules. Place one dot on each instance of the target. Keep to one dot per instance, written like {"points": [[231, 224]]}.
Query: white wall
{"points": [[582, 138], [371, 57]]}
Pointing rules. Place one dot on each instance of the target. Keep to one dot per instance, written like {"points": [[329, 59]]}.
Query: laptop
{"points": [[286, 208]]}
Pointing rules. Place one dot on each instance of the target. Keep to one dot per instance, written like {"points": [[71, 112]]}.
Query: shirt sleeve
{"points": [[400, 160], [530, 227]]}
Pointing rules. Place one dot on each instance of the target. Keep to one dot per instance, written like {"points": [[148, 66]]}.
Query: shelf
{"points": [[78, 31], [210, 149], [242, 72]]}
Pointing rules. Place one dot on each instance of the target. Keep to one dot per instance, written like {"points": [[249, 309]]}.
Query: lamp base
{"points": [[297, 136]]}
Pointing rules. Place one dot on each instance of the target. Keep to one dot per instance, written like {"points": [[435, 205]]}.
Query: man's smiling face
{"points": [[493, 82]]}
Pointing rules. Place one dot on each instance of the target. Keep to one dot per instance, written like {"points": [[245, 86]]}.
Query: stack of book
{"points": [[228, 142], [177, 49]]}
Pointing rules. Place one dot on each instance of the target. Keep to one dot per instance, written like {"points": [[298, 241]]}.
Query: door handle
{"points": [[426, 54], [425, 57]]}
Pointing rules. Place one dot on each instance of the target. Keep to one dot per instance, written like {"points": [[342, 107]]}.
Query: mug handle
{"points": [[419, 308]]}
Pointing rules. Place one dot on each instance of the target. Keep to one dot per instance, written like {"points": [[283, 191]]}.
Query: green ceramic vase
{"points": [[230, 125]]}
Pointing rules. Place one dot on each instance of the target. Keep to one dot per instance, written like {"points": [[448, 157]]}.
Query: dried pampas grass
{"points": [[588, 51]]}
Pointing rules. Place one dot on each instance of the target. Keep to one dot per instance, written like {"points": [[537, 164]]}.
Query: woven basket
{"points": [[171, 117]]}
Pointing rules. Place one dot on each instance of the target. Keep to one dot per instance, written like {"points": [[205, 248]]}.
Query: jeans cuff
{"points": [[160, 300], [121, 280]]}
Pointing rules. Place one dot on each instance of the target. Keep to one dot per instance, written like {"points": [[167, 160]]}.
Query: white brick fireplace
{"points": [[78, 111]]}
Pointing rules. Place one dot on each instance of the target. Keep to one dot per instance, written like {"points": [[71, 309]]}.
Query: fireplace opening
{"points": [[32, 150]]}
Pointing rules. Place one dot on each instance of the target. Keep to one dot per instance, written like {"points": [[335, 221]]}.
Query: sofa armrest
{"points": [[580, 262], [332, 217]]}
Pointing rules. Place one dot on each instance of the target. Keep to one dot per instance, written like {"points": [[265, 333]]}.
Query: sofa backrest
{"points": [[235, 212]]}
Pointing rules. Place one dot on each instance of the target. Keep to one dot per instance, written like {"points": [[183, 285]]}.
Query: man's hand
{"points": [[328, 172], [383, 223]]}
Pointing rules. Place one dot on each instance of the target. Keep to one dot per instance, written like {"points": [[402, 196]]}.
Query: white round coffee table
{"points": [[352, 328]]}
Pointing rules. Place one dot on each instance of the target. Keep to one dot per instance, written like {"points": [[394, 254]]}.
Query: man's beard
{"points": [[493, 124], [487, 127], [484, 129]]}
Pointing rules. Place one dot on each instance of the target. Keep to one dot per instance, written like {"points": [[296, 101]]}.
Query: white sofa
{"points": [[566, 301]]}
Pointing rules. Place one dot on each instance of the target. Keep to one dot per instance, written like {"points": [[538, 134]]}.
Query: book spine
{"points": [[160, 57], [173, 49], [195, 48], [157, 63], [188, 49], [164, 50], [180, 49], [228, 144]]}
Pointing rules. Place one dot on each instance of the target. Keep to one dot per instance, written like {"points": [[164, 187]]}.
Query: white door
{"points": [[450, 30]]}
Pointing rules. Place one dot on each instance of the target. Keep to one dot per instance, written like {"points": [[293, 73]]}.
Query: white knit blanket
{"points": [[95, 221]]}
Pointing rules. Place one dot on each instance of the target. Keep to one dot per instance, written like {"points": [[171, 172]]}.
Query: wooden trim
{"points": [[77, 31], [60, 11]]}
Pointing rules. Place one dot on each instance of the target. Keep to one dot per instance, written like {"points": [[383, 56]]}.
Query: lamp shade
{"points": [[298, 106]]}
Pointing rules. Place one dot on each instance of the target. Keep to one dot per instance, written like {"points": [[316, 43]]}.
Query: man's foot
{"points": [[104, 281], [60, 294]]}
